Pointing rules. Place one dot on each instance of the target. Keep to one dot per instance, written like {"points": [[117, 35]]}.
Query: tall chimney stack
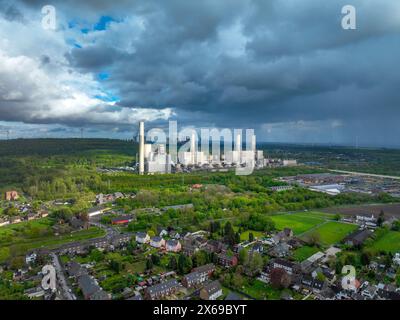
{"points": [[193, 148], [141, 147], [238, 142]]}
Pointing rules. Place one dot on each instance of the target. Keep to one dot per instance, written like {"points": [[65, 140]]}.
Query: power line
{"points": [[7, 132]]}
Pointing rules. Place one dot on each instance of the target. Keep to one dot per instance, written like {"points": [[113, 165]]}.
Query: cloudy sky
{"points": [[283, 67]]}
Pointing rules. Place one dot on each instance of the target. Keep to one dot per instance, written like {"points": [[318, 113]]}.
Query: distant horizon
{"points": [[302, 144]]}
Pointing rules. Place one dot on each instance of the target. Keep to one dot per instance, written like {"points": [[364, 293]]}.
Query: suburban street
{"points": [[62, 282]]}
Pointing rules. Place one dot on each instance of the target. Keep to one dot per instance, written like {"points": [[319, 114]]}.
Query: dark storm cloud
{"points": [[248, 63]]}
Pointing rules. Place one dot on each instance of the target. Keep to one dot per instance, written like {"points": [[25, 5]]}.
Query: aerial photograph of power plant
{"points": [[200, 157]]}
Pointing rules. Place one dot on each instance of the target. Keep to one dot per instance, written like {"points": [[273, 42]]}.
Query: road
{"points": [[110, 231], [65, 289]]}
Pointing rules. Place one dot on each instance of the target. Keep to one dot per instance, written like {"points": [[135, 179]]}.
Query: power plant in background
{"points": [[154, 158]]}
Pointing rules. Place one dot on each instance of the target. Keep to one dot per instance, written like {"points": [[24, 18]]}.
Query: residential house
{"points": [[358, 237], [206, 269], [211, 291], [19, 274], [30, 258], [194, 279], [196, 186], [163, 233], [265, 274], [319, 285], [157, 242], [283, 235], [189, 249], [193, 243], [120, 239], [90, 289], [258, 247], [316, 257], [161, 290], [388, 292], [142, 237], [369, 292], [367, 222], [288, 266], [173, 246], [174, 235], [30, 216], [396, 259], [11, 195], [215, 246], [74, 269], [315, 285], [281, 250], [226, 260], [36, 292], [43, 213]]}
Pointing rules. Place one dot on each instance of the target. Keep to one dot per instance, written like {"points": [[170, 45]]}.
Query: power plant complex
{"points": [[154, 158]]}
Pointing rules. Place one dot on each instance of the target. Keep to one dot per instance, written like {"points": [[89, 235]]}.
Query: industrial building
{"points": [[154, 158]]}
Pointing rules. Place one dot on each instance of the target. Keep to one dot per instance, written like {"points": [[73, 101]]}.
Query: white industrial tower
{"points": [[141, 147]]}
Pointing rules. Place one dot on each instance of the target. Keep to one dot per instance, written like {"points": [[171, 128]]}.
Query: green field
{"points": [[333, 232], [19, 238], [304, 252], [299, 222], [260, 290], [388, 242], [244, 236]]}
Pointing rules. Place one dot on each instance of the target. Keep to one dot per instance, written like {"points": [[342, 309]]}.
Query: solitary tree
{"points": [[149, 264], [251, 237], [172, 264]]}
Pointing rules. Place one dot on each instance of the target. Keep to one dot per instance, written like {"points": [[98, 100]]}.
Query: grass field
{"points": [[245, 235], [333, 232], [299, 222], [389, 242], [260, 290], [34, 234], [303, 253]]}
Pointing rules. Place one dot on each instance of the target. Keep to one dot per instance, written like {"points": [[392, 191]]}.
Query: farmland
{"points": [[388, 242], [299, 222], [392, 209], [333, 232]]}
